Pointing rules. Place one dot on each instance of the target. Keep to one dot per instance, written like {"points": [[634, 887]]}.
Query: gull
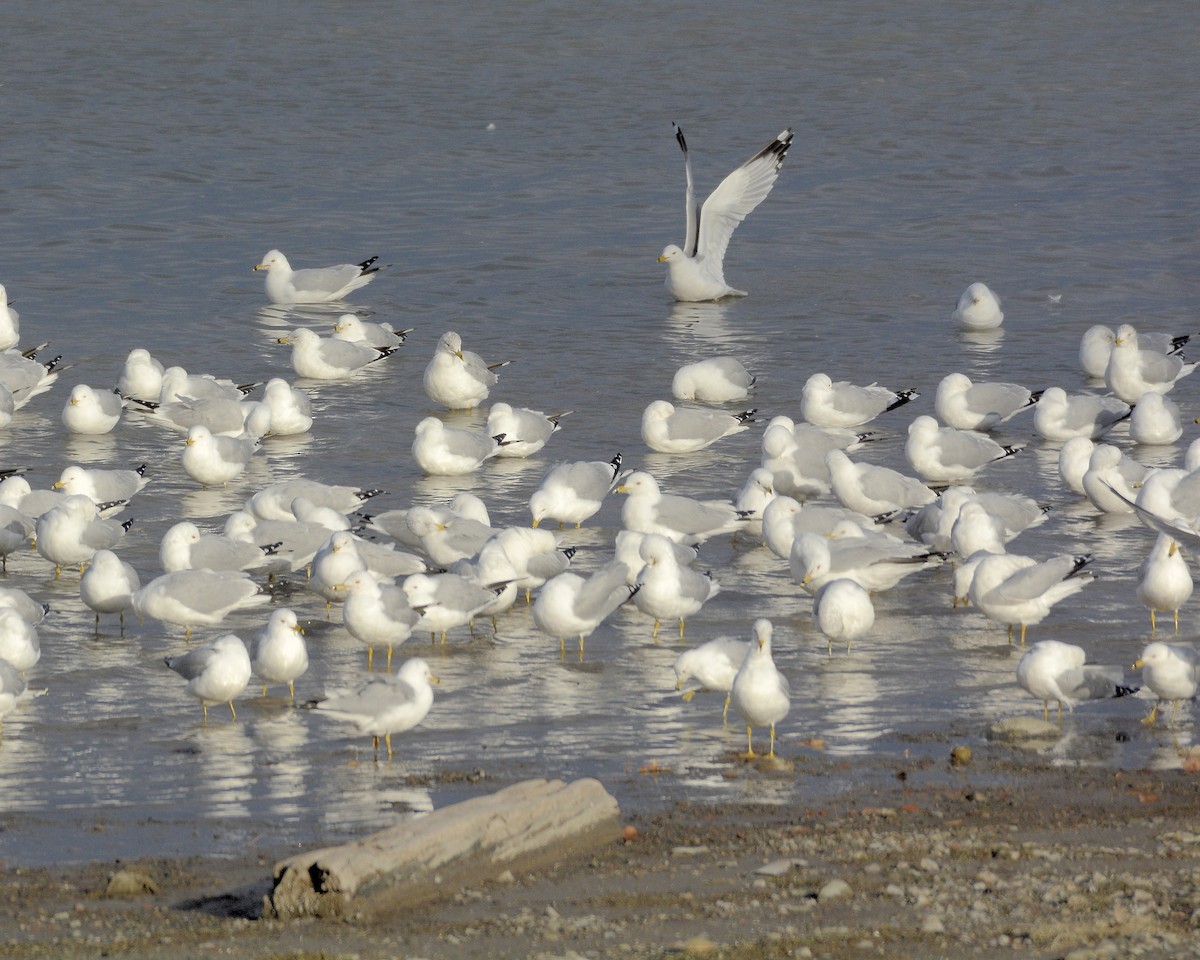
{"points": [[26, 377], [712, 665], [569, 605], [184, 547], [383, 705], [13, 690], [1110, 470], [1132, 371], [874, 490], [875, 562], [222, 415], [178, 384], [351, 327], [627, 547], [16, 528], [842, 610], [275, 502], [978, 309], [445, 537], [1073, 460], [669, 429], [377, 613], [574, 492], [1155, 420], [72, 531], [1052, 670], [826, 403], [934, 523], [667, 590], [10, 322], [16, 493], [947, 455], [964, 405], [445, 601], [753, 496], [102, 486], [715, 380], [526, 556], [19, 644], [1164, 581], [1170, 671], [976, 529], [89, 411], [108, 585], [795, 455], [394, 523], [211, 460], [31, 610], [192, 598], [278, 654], [141, 376], [458, 379], [446, 451], [313, 285], [760, 693], [324, 358], [785, 518], [1061, 416], [215, 672], [293, 541], [525, 430], [1095, 347], [289, 407], [682, 519], [696, 272], [1013, 589]]}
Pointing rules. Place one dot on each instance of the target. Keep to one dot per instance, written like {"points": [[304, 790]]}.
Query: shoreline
{"points": [[1007, 854]]}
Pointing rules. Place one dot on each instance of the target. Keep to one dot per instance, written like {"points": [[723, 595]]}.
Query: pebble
{"points": [[835, 889]]}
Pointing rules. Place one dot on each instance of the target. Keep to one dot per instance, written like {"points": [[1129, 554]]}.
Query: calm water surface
{"points": [[516, 169]]}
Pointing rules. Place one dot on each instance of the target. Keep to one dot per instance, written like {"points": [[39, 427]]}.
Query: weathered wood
{"points": [[522, 827]]}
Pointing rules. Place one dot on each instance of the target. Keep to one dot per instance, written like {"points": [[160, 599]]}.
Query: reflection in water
{"points": [[704, 323], [224, 769]]}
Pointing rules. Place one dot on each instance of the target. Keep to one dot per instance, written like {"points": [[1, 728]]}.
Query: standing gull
{"points": [[760, 693], [1170, 671], [668, 590], [108, 585], [278, 653], [383, 705], [1052, 670], [215, 672], [313, 285], [696, 272], [1164, 582], [712, 665], [573, 492], [1013, 589], [570, 606]]}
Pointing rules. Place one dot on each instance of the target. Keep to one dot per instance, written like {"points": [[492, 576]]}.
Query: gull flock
{"points": [[846, 528]]}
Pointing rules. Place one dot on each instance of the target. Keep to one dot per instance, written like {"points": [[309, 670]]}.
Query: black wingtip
{"points": [[366, 267], [679, 136]]}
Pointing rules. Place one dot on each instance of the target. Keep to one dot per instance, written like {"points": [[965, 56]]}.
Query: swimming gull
{"points": [[211, 460], [947, 455], [315, 284], [841, 404], [1061, 416], [89, 411], [447, 451], [456, 378], [351, 327], [874, 490], [682, 519], [1155, 420], [1095, 347], [965, 405], [1132, 371], [324, 358], [525, 430], [715, 380], [670, 429], [978, 309]]}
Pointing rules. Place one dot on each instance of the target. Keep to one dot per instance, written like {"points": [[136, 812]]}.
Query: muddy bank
{"points": [[1005, 855]]}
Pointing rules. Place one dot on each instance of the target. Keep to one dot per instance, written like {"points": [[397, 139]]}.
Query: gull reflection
{"points": [[691, 322], [81, 448], [285, 767], [224, 769]]}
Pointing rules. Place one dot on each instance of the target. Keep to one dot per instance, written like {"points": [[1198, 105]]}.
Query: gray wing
{"points": [[346, 354], [326, 279], [190, 665]]}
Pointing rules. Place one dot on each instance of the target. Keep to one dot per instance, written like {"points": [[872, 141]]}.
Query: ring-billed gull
{"points": [[1073, 459], [696, 272], [1013, 589], [108, 585], [1096, 345], [760, 693], [715, 380], [877, 562], [193, 598], [1111, 479], [445, 601], [668, 590], [31, 610], [383, 705], [351, 327], [27, 377], [965, 405], [874, 490], [446, 537], [842, 610], [102, 486], [19, 643], [1171, 672], [215, 672], [947, 455], [752, 498], [10, 322], [13, 690], [178, 384], [89, 411], [795, 455], [377, 612], [290, 408], [525, 430], [456, 378], [571, 606], [1132, 371], [527, 557], [682, 519], [627, 548], [278, 653], [323, 358], [447, 451], [1164, 581], [315, 284], [213, 461], [826, 403], [1155, 420], [712, 665], [670, 429], [141, 376], [574, 492], [785, 518], [1052, 670], [1061, 416], [71, 532], [184, 547], [978, 309], [222, 415], [275, 502]]}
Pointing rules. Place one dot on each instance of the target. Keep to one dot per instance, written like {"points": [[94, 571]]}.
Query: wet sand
{"points": [[999, 854]]}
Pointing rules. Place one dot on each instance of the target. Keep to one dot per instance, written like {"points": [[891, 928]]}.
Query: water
{"points": [[516, 169]]}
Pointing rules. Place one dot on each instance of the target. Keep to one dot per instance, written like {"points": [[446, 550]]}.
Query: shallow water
{"points": [[515, 167]]}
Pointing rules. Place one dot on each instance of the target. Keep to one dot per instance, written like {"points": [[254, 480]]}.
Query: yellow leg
{"points": [[370, 658], [292, 690], [1060, 713], [389, 659], [581, 639], [1176, 623], [264, 689], [1153, 714], [562, 649], [771, 755], [1174, 707], [749, 742], [654, 635], [204, 707], [187, 634], [231, 710], [1046, 710], [1022, 635], [725, 715], [375, 746], [680, 628], [387, 738], [1153, 624]]}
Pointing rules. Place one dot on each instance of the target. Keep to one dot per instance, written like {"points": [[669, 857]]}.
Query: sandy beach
{"points": [[1000, 853]]}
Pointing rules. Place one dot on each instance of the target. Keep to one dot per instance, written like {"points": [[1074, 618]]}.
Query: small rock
{"points": [[933, 924], [929, 865], [688, 851], [130, 883], [698, 946], [835, 889], [777, 868], [960, 756], [506, 877]]}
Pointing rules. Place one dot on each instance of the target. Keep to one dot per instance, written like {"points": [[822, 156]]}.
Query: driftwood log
{"points": [[523, 827]]}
